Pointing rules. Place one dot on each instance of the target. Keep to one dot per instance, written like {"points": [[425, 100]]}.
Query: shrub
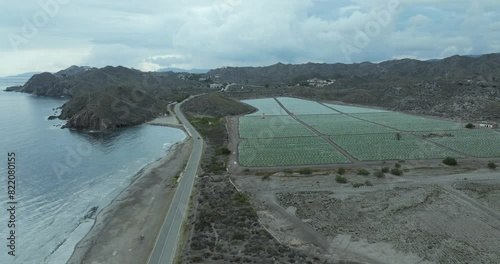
{"points": [[266, 178], [341, 171], [450, 161], [223, 151], [380, 174], [396, 172], [305, 171], [289, 171], [386, 169], [492, 165], [470, 126], [357, 185], [238, 236], [340, 179], [363, 172], [197, 259], [397, 165], [368, 183]]}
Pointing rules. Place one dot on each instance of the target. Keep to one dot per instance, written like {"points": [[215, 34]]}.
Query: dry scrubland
{"points": [[409, 219]]}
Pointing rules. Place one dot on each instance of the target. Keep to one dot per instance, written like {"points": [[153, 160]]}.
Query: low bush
{"points": [[368, 183], [340, 179], [363, 172], [379, 174], [357, 185], [305, 171], [450, 161], [386, 169], [341, 171], [397, 165], [492, 165], [396, 172]]}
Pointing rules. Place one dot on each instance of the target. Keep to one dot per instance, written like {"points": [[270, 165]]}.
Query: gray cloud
{"points": [[207, 34]]}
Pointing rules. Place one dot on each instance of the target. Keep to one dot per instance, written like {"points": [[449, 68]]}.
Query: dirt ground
{"points": [[139, 210], [430, 215]]}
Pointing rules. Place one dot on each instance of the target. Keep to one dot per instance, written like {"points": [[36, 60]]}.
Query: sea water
{"points": [[62, 174]]}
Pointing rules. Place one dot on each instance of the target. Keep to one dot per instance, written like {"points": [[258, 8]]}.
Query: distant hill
{"points": [[216, 105], [23, 75], [178, 70], [91, 90], [458, 87]]}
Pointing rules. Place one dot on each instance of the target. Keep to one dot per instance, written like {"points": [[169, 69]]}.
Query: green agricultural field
{"points": [[272, 127], [305, 107], [355, 110], [387, 147], [267, 106], [476, 143], [410, 123], [342, 124], [288, 152]]}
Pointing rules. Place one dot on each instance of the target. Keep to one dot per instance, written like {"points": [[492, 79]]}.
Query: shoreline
{"points": [[101, 237]]}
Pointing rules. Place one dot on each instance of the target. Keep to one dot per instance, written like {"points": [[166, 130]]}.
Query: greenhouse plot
{"points": [[342, 124], [288, 152], [304, 107], [267, 106], [355, 110], [388, 147], [409, 123], [271, 127], [476, 143]]}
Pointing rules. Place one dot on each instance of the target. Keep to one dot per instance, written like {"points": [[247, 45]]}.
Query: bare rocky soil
{"points": [[414, 219]]}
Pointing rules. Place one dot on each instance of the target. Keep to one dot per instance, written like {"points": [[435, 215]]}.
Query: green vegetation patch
{"points": [[387, 147], [272, 127], [267, 106], [410, 123], [288, 152], [305, 107], [477, 143], [342, 124], [355, 110]]}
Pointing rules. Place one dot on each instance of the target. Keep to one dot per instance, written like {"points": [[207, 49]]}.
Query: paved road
{"points": [[166, 244]]}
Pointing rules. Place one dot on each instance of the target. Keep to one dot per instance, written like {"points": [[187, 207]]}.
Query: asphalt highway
{"points": [[166, 244]]}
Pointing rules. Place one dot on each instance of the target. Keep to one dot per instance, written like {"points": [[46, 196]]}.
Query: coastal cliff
{"points": [[110, 97]]}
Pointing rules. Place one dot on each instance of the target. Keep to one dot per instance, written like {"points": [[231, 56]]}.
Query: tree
{"points": [[398, 136], [450, 161]]}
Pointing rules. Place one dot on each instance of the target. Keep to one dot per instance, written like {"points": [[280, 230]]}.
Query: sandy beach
{"points": [[138, 211]]}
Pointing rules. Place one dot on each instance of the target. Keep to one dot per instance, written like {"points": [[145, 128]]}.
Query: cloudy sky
{"points": [[49, 35]]}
